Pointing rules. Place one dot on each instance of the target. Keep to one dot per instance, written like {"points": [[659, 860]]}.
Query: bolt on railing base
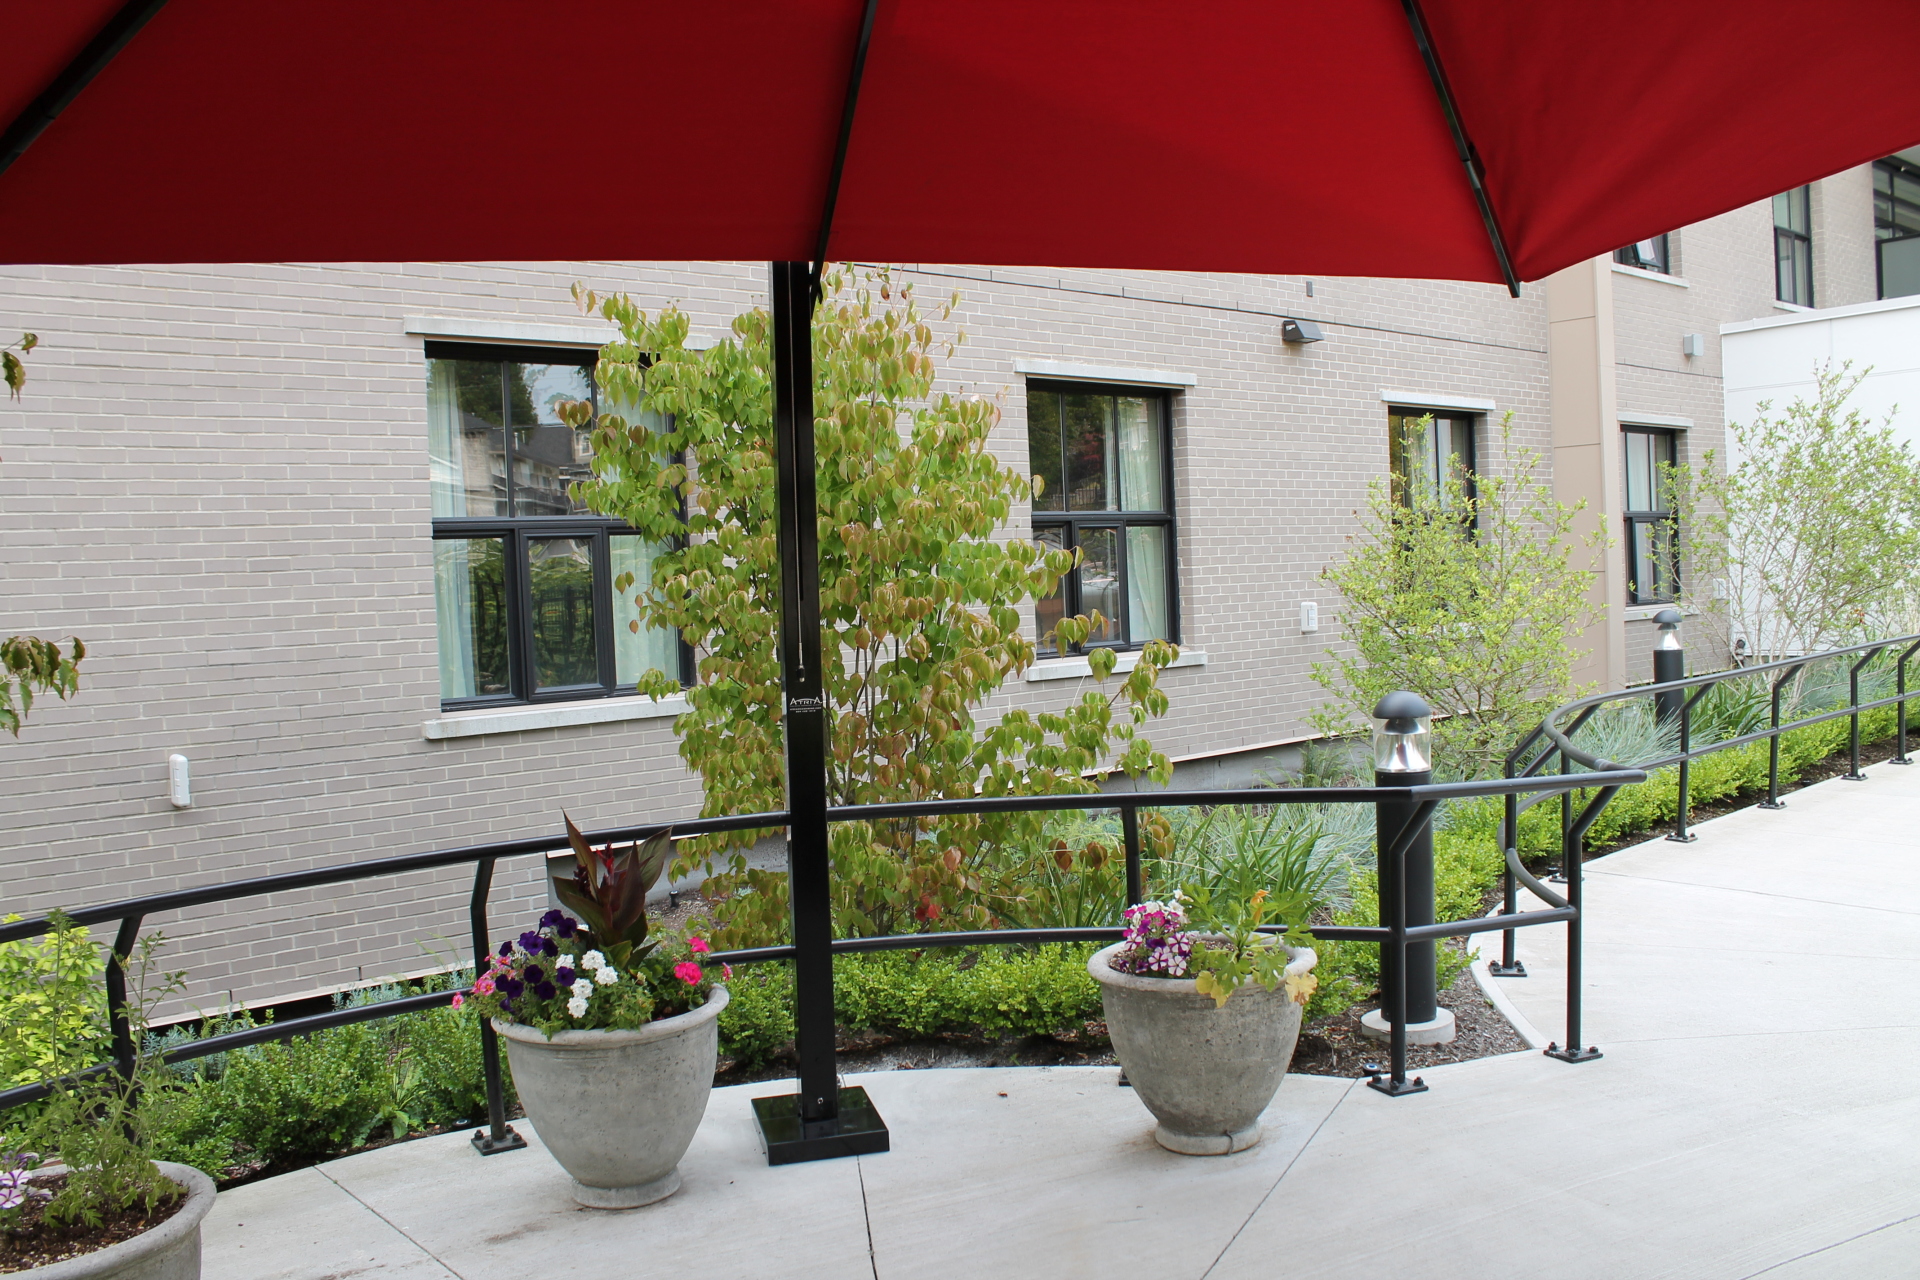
{"points": [[1771, 804], [857, 1131], [1854, 777], [487, 1145], [1514, 970], [1587, 1054], [1396, 1088], [1677, 838]]}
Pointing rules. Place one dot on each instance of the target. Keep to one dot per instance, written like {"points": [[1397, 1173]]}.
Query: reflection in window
{"points": [[1793, 246], [1653, 551], [1099, 461], [1426, 448], [1896, 226], [523, 571], [1648, 255]]}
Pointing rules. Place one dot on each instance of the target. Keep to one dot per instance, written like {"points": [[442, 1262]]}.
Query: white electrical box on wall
{"points": [[1309, 616], [179, 784]]}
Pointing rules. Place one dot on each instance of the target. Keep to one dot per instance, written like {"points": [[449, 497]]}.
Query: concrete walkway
{"points": [[1756, 1113]]}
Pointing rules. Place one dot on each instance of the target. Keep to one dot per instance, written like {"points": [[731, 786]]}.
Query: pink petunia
{"points": [[458, 1000], [484, 987], [698, 945], [726, 971], [687, 971]]}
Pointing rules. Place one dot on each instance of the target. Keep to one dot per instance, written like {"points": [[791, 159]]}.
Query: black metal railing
{"points": [[1396, 934], [1675, 701]]}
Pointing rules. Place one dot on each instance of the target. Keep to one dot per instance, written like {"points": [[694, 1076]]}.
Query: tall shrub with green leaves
{"points": [[1812, 539], [920, 601], [1469, 595]]}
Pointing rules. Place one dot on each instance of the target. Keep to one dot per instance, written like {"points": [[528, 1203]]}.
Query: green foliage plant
{"points": [[1813, 539], [1468, 595], [920, 596], [97, 1124], [30, 666], [53, 1005], [1231, 952]]}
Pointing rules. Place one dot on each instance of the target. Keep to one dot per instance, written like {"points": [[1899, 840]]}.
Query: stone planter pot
{"points": [[618, 1109], [1205, 1072], [170, 1251]]}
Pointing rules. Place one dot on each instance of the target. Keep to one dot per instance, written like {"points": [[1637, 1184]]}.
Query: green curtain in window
{"points": [[453, 601], [445, 455], [636, 652], [1146, 583], [1142, 463]]}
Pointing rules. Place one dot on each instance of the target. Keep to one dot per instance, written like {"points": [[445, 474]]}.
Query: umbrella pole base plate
{"points": [[857, 1130]]}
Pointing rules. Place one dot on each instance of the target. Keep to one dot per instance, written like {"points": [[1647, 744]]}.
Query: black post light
{"points": [[1409, 1012], [1669, 663]]}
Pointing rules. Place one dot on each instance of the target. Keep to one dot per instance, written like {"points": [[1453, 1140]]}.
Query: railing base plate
{"points": [[1771, 804], [1514, 970], [1854, 777], [1397, 1088], [857, 1131], [487, 1145], [1677, 838], [1587, 1054]]}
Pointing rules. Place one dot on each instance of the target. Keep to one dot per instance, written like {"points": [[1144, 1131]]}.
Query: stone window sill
{"points": [[1680, 282], [473, 724], [1077, 668]]}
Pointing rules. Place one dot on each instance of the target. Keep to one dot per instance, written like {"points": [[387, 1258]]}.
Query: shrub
{"points": [[310, 1096], [53, 1006]]}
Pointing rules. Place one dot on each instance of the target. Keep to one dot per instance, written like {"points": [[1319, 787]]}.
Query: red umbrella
{"points": [[1241, 135], [1492, 140]]}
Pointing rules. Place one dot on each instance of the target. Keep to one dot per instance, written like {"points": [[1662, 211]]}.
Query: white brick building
{"points": [[219, 477]]}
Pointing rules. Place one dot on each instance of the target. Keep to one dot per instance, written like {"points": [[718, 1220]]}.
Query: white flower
{"points": [[583, 989], [593, 960], [577, 1006], [606, 977]]}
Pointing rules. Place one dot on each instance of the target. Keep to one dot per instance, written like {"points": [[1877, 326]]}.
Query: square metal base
{"points": [[487, 1145], [1514, 970], [1677, 838], [1587, 1054], [857, 1131], [1397, 1088]]}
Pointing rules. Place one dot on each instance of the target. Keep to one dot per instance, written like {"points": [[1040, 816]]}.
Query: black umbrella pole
{"points": [[821, 1119]]}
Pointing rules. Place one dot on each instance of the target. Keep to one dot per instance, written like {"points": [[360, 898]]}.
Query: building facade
{"points": [[312, 522]]}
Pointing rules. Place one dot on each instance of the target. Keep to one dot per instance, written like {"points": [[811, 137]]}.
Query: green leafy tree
{"points": [[920, 602], [1812, 539], [29, 665], [1467, 593]]}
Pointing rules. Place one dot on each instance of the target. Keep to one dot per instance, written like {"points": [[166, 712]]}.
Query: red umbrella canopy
{"points": [[1241, 135]]}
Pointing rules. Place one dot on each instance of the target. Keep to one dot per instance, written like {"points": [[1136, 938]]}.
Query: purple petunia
{"points": [[534, 973], [531, 942], [566, 927], [552, 918], [506, 950], [545, 991], [513, 987], [549, 946], [564, 976]]}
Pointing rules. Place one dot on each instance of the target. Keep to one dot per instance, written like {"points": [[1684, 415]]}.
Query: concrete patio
{"points": [[1756, 1113]]}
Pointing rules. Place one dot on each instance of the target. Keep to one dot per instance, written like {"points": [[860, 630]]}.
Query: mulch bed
{"points": [[1336, 1046], [31, 1243]]}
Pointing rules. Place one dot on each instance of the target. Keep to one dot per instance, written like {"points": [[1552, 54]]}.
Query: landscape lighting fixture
{"points": [[1300, 331]]}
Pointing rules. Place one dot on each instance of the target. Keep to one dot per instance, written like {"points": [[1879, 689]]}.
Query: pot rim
{"points": [[108, 1261], [603, 1037], [1304, 958]]}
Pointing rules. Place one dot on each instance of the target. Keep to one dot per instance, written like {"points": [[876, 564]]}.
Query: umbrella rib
{"points": [[840, 147], [121, 28], [1469, 156]]}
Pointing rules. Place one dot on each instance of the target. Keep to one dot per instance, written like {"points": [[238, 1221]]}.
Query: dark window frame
{"points": [[1662, 261], [1634, 519], [1888, 207], [1072, 522], [1793, 246], [1397, 475], [519, 532]]}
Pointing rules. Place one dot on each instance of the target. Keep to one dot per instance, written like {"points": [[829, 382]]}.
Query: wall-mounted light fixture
{"points": [[179, 785], [1309, 616], [1692, 344], [1300, 331]]}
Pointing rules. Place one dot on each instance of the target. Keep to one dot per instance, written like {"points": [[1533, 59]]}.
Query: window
{"points": [[1648, 255], [1793, 246], [1426, 448], [1896, 226], [1653, 551], [1102, 478], [523, 572]]}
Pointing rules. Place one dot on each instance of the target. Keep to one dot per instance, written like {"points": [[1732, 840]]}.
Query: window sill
{"points": [[1680, 282], [1645, 612], [1789, 306], [1077, 668], [473, 724]]}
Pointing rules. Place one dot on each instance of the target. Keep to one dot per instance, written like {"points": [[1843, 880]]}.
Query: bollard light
{"points": [[1402, 734], [1669, 622]]}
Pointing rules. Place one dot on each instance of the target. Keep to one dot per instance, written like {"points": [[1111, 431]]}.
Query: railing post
{"points": [[1773, 800], [1900, 718], [1401, 758], [118, 1024], [1130, 830], [1853, 773], [1573, 854], [1680, 833], [1508, 965], [498, 1135]]}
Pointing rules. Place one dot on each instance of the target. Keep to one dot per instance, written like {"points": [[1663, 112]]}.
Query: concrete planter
{"points": [[170, 1251], [618, 1109], [1205, 1072]]}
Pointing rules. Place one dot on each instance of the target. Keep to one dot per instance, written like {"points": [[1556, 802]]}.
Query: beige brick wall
{"points": [[218, 477]]}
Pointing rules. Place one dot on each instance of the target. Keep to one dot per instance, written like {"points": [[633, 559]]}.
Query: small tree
{"points": [[1812, 539], [1467, 594], [920, 602]]}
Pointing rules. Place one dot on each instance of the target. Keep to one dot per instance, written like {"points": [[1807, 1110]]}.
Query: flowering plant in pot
{"points": [[1204, 1009], [612, 1036], [81, 1195]]}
